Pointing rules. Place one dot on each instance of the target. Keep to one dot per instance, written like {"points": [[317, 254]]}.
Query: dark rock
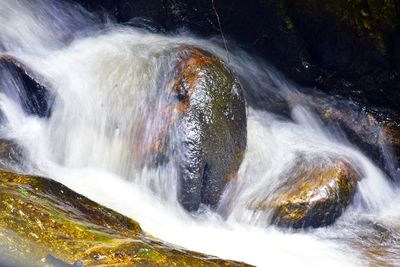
{"points": [[200, 125], [211, 127], [353, 45], [22, 85], [374, 131]]}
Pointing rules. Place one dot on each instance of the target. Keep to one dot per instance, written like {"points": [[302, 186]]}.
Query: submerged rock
{"points": [[378, 243], [22, 85], [375, 131], [12, 156], [211, 127], [313, 196], [44, 222]]}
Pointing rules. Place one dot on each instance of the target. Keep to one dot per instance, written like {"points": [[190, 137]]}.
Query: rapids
{"points": [[105, 75]]}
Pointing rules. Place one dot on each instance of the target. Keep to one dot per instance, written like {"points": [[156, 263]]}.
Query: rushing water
{"points": [[109, 79]]}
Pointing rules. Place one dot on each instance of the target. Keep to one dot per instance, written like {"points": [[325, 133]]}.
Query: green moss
{"points": [[149, 254], [23, 191], [40, 217]]}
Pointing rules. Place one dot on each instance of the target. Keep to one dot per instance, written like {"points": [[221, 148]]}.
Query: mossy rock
{"points": [[313, 196], [211, 126], [45, 224]]}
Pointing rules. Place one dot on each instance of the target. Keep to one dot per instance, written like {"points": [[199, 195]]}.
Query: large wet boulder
{"points": [[25, 86], [313, 195], [200, 126], [211, 127], [44, 223]]}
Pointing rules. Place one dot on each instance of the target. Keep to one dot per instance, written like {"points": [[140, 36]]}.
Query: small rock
{"points": [[313, 196]]}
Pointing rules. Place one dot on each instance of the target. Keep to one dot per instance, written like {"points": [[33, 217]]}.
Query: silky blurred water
{"points": [[111, 86]]}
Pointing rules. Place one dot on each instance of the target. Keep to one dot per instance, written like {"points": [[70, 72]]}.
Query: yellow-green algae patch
{"points": [[41, 219]]}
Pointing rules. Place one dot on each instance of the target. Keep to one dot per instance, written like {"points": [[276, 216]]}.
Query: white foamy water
{"points": [[111, 83]]}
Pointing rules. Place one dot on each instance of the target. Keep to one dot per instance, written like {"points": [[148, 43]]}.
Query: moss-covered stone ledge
{"points": [[46, 224]]}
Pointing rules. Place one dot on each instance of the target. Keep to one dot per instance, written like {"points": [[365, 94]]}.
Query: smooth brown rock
{"points": [[314, 195]]}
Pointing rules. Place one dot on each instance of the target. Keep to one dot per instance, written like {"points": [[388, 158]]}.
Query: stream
{"points": [[104, 77]]}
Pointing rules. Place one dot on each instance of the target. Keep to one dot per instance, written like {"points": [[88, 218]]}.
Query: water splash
{"points": [[111, 79]]}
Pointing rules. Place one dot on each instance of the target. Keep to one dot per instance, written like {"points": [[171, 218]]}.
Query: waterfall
{"points": [[110, 82]]}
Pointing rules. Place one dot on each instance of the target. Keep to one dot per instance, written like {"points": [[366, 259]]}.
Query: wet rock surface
{"points": [[201, 127], [12, 156], [353, 44], [24, 86], [313, 195], [375, 131], [377, 240], [379, 243], [211, 127], [46, 223]]}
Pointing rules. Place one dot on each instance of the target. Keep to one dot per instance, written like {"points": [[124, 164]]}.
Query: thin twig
{"points": [[397, 8], [222, 33]]}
